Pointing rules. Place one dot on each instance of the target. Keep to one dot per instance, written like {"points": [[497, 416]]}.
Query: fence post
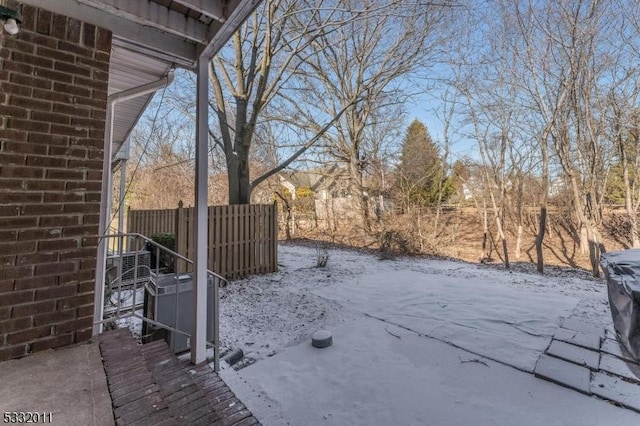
{"points": [[181, 237]]}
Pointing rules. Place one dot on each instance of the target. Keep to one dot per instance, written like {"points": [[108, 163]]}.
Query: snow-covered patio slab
{"points": [[507, 324], [380, 374]]}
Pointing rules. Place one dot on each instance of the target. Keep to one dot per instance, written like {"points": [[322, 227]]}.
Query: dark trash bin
{"points": [[622, 271]]}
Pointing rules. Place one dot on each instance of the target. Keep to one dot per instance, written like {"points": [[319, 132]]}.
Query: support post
{"points": [[103, 224], [199, 333]]}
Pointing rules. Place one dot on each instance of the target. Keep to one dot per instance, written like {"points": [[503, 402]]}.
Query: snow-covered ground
{"points": [[416, 341]]}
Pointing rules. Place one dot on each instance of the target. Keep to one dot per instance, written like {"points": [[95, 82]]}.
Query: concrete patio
{"points": [[69, 383]]}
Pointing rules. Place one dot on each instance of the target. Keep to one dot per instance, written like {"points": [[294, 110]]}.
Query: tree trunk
{"points": [[542, 226], [519, 242]]}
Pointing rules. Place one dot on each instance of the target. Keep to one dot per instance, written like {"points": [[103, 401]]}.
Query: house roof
{"points": [[315, 179], [150, 37]]}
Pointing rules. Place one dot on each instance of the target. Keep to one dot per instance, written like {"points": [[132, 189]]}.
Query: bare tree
{"points": [[369, 59]]}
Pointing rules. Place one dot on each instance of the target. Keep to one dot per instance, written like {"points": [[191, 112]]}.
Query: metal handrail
{"points": [[218, 279]]}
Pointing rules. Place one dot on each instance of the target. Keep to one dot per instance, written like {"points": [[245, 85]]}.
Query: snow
{"points": [[415, 341]]}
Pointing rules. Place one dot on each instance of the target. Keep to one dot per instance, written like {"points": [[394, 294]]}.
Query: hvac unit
{"points": [[128, 261], [162, 305]]}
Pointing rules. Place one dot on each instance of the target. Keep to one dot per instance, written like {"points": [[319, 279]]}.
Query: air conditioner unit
{"points": [[129, 260], [163, 305]]}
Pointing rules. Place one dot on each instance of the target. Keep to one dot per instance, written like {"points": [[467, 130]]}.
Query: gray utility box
{"points": [[163, 305]]}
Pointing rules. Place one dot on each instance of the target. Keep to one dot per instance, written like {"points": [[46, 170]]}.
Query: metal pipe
{"points": [[105, 197]]}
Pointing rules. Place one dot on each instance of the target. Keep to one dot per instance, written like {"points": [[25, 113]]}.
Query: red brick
{"points": [[6, 285], [74, 48], [93, 63], [13, 111], [17, 247], [14, 159], [82, 208], [103, 41], [84, 335], [59, 26], [94, 175], [20, 172], [86, 100], [31, 81], [30, 103], [73, 69], [65, 174], [14, 135], [17, 222], [16, 91], [91, 219], [56, 292], [59, 221], [50, 117], [46, 161], [37, 234], [28, 125], [42, 209], [35, 60], [19, 197], [92, 197], [29, 14], [16, 297], [54, 268], [48, 139], [45, 185], [59, 129], [33, 309], [72, 110], [100, 75], [39, 39], [82, 253], [73, 30], [54, 317], [84, 311], [59, 98], [12, 352], [25, 148], [16, 272], [68, 151], [55, 54], [63, 197], [36, 258], [56, 245], [5, 313], [53, 75], [44, 22], [17, 44], [88, 143], [14, 325], [7, 261], [28, 335], [6, 236], [72, 90], [34, 282], [53, 342]]}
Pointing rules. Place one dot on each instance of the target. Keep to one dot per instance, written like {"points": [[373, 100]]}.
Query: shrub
{"points": [[167, 261]]}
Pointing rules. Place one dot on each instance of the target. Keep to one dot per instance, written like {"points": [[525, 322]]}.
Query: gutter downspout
{"points": [[105, 198]]}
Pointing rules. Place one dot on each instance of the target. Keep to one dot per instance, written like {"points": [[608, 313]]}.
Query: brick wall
{"points": [[53, 92]]}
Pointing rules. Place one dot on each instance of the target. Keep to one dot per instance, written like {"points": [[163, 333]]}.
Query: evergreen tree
{"points": [[421, 178]]}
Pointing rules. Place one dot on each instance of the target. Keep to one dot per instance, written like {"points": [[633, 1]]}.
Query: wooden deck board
{"points": [[149, 385]]}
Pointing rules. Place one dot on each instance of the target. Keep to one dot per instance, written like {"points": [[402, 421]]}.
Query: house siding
{"points": [[53, 95]]}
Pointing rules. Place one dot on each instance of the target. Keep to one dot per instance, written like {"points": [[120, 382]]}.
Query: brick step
{"points": [[149, 385]]}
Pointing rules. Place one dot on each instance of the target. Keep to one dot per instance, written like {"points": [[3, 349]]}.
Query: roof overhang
{"points": [[152, 36]]}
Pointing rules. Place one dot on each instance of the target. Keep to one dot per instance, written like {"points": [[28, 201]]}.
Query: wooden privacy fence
{"points": [[242, 239]]}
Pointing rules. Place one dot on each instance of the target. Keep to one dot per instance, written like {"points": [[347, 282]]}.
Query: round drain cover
{"points": [[321, 339]]}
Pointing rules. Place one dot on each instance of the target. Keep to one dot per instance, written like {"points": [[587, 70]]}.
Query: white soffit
{"points": [[152, 36]]}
